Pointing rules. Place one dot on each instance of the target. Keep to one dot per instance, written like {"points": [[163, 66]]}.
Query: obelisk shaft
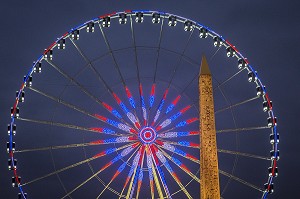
{"points": [[209, 173]]}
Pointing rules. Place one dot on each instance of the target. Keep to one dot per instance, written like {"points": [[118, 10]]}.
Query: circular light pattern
{"points": [[147, 135]]}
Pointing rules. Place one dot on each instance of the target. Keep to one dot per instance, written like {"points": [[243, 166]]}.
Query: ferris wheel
{"points": [[111, 111]]}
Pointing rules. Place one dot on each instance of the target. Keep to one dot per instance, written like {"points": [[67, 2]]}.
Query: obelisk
{"points": [[209, 173]]}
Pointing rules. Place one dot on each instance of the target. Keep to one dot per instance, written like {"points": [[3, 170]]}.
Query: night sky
{"points": [[266, 32]]}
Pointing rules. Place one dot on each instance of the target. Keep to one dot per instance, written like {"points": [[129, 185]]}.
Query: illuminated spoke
{"points": [[116, 124], [132, 118], [159, 108], [169, 121], [103, 153], [89, 94], [152, 94], [182, 143], [124, 153], [132, 170], [100, 130], [93, 143], [240, 180], [143, 105], [151, 173], [76, 83], [165, 162], [120, 169], [144, 113], [243, 154], [82, 88], [135, 176], [242, 129], [173, 104], [177, 134], [174, 149], [69, 105], [179, 125], [140, 176], [160, 172], [237, 104], [180, 165], [70, 126], [128, 93]]}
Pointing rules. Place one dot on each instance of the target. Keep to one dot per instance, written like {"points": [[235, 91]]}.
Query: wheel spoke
{"points": [[228, 79], [71, 126], [120, 169], [132, 170], [180, 124], [152, 94], [159, 108], [181, 143], [164, 161], [130, 116], [69, 105], [180, 165], [240, 180], [151, 174], [144, 113], [243, 154], [81, 87], [128, 93], [177, 134], [140, 175], [237, 104], [242, 129], [116, 124], [93, 143], [174, 149], [103, 153], [124, 153], [135, 175], [160, 172], [169, 121]]}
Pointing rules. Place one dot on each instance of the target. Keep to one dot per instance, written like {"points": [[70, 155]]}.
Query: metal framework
{"points": [[144, 136]]}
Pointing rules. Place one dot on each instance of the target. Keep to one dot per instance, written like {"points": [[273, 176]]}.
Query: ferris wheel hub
{"points": [[147, 135]]}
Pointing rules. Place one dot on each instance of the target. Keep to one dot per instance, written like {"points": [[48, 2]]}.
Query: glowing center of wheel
{"points": [[147, 135]]}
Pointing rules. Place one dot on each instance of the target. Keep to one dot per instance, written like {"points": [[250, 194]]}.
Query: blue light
{"points": [[124, 107], [167, 165], [131, 100], [151, 100], [110, 140], [180, 124], [180, 152], [108, 131], [161, 104], [122, 167], [118, 157], [111, 150], [176, 161], [182, 133], [143, 102], [111, 122], [116, 113], [174, 117], [170, 108], [184, 143]]}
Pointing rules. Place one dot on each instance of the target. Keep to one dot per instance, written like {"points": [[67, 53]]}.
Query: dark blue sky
{"points": [[266, 32]]}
